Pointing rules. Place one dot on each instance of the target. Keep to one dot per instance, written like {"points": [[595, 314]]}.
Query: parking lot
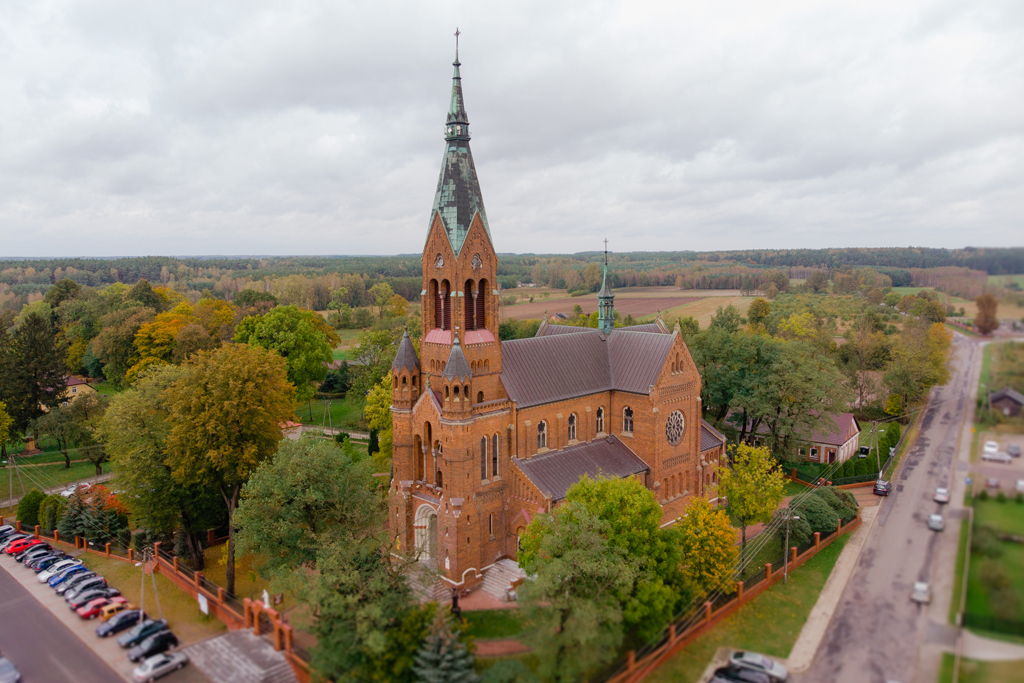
{"points": [[997, 476]]}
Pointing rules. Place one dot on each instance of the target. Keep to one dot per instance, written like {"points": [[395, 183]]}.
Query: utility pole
{"points": [[785, 558]]}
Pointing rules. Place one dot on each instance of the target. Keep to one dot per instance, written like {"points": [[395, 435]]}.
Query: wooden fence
{"points": [[682, 632]]}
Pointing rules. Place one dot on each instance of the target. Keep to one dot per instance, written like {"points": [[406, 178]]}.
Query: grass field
{"points": [[770, 623], [18, 481], [974, 671], [494, 623], [346, 413], [984, 598], [1004, 280], [170, 602]]}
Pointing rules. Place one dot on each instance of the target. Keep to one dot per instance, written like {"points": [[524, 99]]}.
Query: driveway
{"points": [[877, 634]]}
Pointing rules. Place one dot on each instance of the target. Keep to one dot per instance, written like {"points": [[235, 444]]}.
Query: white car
{"points": [[1020, 486], [991, 447], [997, 457], [936, 523], [70, 491], [159, 665], [759, 662], [49, 573], [941, 495], [921, 593]]}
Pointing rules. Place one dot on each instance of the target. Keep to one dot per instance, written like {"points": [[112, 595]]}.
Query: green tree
{"points": [[299, 337], [986, 320], [6, 422], [818, 514], [633, 519], [752, 485], [375, 352], [34, 369], [61, 291], [708, 542], [50, 511], [378, 418], [28, 507], [114, 346], [381, 293], [309, 493], [225, 416], [71, 426], [573, 600], [142, 293], [443, 657], [134, 429], [727, 319], [759, 311]]}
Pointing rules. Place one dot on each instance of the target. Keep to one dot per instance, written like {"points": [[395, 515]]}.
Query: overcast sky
{"points": [[136, 128]]}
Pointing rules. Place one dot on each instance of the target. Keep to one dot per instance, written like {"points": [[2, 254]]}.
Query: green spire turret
{"points": [[605, 299]]}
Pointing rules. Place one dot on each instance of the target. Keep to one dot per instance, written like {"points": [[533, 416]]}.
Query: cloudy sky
{"points": [[133, 127]]}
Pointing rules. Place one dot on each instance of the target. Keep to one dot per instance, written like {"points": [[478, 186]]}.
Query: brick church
{"points": [[487, 433]]}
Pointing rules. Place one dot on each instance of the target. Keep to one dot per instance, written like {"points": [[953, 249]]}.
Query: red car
{"points": [[92, 609], [23, 544]]}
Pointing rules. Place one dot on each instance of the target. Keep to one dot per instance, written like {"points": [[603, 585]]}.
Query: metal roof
{"points": [[456, 365], [558, 366], [554, 472], [405, 358], [710, 437], [547, 329]]}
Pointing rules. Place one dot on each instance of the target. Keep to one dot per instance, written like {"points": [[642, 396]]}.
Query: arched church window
{"points": [[542, 435], [627, 420], [572, 427], [436, 304], [479, 397], [445, 293], [599, 423], [481, 305], [483, 458], [494, 456], [469, 305]]}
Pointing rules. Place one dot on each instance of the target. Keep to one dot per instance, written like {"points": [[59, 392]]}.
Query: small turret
{"points": [[457, 378], [405, 373]]}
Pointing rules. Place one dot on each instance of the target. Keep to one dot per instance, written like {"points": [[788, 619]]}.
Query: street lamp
{"points": [[785, 558]]}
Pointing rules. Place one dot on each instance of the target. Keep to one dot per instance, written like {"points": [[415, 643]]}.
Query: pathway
{"points": [[10, 502]]}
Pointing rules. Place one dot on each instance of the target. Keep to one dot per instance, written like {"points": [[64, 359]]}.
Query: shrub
{"points": [[818, 514], [1001, 497], [50, 511], [800, 531], [28, 508], [845, 506], [985, 541], [983, 495], [1020, 498]]}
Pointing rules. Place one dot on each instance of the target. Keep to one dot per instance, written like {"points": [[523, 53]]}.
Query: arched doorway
{"points": [[425, 527]]}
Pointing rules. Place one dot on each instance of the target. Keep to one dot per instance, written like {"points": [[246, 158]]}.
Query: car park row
{"points": [[147, 641]]}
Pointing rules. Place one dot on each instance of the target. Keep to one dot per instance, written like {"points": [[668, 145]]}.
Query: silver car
{"points": [[758, 662], [936, 523], [941, 495], [921, 593], [159, 665]]}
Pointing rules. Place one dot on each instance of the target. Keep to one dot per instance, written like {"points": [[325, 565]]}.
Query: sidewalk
{"points": [[806, 646], [987, 649]]}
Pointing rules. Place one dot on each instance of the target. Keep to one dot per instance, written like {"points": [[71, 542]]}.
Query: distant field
{"points": [[1003, 280], [1007, 309], [640, 302]]}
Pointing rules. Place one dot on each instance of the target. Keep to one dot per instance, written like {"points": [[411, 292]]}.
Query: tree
{"points": [[134, 429], [71, 426], [381, 293], [299, 338], [142, 293], [378, 416], [51, 510], [375, 352], [817, 281], [443, 657], [727, 319], [114, 346], [759, 311], [986, 320], [225, 416], [818, 514], [633, 528], [573, 600], [28, 507], [61, 291], [6, 421], [309, 493], [708, 542], [34, 370], [918, 360], [752, 485]]}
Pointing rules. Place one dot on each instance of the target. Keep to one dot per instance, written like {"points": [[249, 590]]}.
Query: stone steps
{"points": [[498, 579]]}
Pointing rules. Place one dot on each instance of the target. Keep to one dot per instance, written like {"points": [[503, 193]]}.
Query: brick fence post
{"points": [[220, 595], [767, 570], [246, 611], [78, 541], [739, 589], [198, 578], [106, 549], [792, 554], [288, 644], [36, 531], [211, 537], [707, 610], [817, 538], [839, 526], [17, 525], [630, 660], [56, 534], [672, 633], [131, 554]]}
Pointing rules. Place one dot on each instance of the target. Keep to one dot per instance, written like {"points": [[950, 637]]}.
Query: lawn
{"points": [[345, 413], [958, 573], [248, 583], [974, 671], [18, 481], [488, 624], [792, 489], [770, 623], [180, 610], [985, 598]]}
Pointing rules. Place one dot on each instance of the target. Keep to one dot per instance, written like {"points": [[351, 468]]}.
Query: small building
{"points": [[76, 386], [1007, 402], [836, 439]]}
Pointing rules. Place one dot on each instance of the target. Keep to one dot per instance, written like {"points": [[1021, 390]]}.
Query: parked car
{"points": [[141, 631], [119, 622], [936, 523], [161, 641], [12, 538], [8, 672], [70, 491], [32, 549], [990, 447], [23, 544], [758, 662], [6, 529], [996, 457], [33, 561], [83, 587], [55, 569], [93, 608], [116, 606], [941, 495], [41, 564], [1020, 486], [66, 575], [921, 592], [70, 583], [882, 487], [159, 665], [992, 483], [88, 596], [736, 674]]}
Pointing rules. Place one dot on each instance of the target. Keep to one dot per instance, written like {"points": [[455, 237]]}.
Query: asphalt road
{"points": [[877, 634], [43, 648]]}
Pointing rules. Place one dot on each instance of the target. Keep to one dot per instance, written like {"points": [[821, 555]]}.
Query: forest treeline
{"points": [[309, 280]]}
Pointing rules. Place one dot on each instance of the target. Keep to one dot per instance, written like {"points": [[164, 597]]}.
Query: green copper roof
{"points": [[458, 196]]}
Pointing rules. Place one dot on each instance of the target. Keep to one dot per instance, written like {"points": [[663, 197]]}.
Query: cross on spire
{"points": [[606, 251], [457, 34]]}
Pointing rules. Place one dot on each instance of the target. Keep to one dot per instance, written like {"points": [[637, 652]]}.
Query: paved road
{"points": [[41, 646], [877, 633]]}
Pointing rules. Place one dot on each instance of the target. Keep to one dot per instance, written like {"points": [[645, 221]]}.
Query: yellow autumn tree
{"points": [[378, 418], [753, 485], [708, 542]]}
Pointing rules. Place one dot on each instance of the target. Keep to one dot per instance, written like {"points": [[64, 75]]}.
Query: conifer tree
{"points": [[443, 657]]}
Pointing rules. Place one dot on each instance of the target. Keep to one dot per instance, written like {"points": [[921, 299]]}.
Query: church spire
{"points": [[605, 299], [458, 198]]}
